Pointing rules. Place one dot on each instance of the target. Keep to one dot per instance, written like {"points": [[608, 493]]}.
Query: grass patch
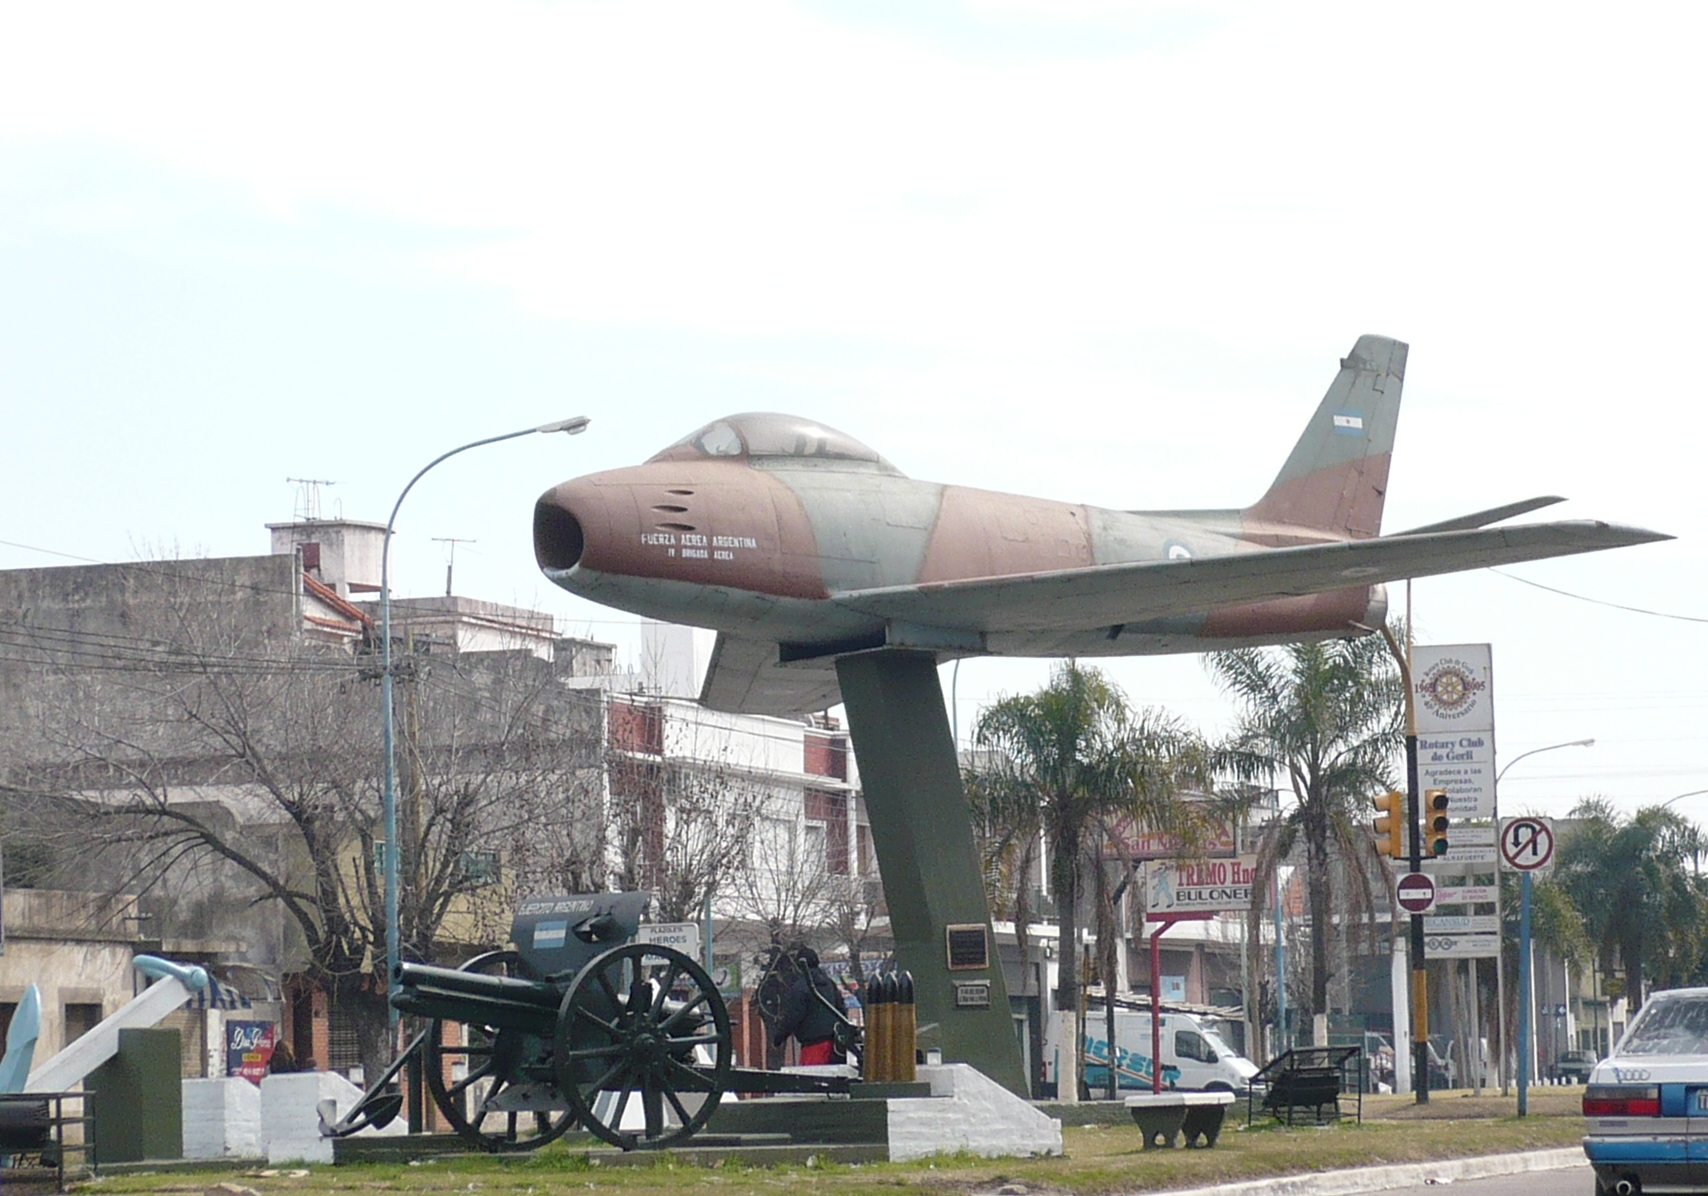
{"points": [[1100, 1160]]}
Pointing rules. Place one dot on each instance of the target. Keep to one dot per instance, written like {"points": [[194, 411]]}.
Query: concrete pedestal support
{"points": [[923, 835]]}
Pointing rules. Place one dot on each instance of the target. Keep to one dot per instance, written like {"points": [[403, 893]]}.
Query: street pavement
{"points": [[1576, 1180], [1562, 1172]]}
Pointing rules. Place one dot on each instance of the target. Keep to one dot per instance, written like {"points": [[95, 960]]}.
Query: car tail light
{"points": [[1609, 1100]]}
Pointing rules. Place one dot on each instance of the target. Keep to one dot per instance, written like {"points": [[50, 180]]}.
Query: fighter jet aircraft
{"points": [[799, 544]]}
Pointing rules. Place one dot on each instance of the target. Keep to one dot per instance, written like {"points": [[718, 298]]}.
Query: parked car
{"points": [[1642, 1102], [1575, 1066]]}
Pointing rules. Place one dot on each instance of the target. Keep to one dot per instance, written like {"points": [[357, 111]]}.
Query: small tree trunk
{"points": [[363, 1000], [1106, 932], [1321, 930], [1067, 978]]}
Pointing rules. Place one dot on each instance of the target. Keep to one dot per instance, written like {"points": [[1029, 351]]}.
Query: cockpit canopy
{"points": [[765, 434]]}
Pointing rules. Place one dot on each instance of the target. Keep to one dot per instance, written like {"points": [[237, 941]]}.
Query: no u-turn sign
{"points": [[1526, 844]]}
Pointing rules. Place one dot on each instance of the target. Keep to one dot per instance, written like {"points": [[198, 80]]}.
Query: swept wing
{"points": [[1105, 595], [744, 676]]}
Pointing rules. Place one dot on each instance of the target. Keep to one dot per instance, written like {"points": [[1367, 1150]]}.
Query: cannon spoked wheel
{"points": [[495, 1056], [637, 1024]]}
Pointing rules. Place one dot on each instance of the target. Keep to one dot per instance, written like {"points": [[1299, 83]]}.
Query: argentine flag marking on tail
{"points": [[1349, 423]]}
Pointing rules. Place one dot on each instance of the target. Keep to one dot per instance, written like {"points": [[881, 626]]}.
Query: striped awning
{"points": [[217, 995]]}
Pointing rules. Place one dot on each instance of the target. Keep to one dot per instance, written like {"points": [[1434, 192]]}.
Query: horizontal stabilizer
{"points": [[1106, 595], [744, 677], [1484, 518]]}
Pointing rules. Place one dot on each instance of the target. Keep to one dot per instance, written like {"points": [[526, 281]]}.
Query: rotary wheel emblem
{"points": [[1450, 688]]}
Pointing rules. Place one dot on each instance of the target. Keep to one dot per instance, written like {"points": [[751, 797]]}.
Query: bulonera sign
{"points": [[1203, 886]]}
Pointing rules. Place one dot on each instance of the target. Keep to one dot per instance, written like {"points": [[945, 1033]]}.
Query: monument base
{"points": [[966, 1111], [933, 886]]}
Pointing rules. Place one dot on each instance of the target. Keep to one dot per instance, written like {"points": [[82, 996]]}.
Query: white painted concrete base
{"points": [[290, 1122], [967, 1111], [222, 1119]]}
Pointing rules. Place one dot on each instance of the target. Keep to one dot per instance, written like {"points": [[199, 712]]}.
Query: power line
{"points": [[1636, 610]]}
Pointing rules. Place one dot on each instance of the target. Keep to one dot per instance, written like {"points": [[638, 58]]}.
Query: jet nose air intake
{"points": [[558, 539]]}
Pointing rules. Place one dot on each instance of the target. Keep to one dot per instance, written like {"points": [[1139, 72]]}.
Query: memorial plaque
{"points": [[969, 947], [972, 994]]}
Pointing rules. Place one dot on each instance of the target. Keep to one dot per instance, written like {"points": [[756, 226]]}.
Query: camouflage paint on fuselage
{"points": [[777, 530]]}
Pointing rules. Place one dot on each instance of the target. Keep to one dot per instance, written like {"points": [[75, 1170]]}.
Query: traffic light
{"points": [[1390, 825], [1435, 822]]}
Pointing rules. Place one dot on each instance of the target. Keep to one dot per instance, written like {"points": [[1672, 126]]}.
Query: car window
{"points": [[1217, 1044], [1188, 1045], [1675, 1026]]}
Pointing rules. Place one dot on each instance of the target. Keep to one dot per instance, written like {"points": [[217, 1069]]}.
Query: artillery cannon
{"points": [[579, 1025]]}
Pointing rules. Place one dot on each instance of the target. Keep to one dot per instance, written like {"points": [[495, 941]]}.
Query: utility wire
{"points": [[1636, 610]]}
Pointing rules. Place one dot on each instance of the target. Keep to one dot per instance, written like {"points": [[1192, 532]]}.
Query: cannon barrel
{"points": [[477, 997]]}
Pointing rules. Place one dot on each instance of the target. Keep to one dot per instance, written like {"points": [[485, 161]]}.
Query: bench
{"points": [[32, 1133], [1163, 1116], [1306, 1078]]}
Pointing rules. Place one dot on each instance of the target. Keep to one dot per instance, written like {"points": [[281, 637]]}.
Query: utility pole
{"points": [[1419, 977]]}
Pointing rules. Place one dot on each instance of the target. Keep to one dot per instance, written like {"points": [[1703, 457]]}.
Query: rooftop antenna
{"points": [[451, 557], [308, 497]]}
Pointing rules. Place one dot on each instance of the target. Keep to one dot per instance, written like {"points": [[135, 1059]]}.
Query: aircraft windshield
{"points": [[764, 434]]}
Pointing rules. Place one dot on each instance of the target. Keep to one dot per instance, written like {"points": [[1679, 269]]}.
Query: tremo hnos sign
{"points": [[1201, 886]]}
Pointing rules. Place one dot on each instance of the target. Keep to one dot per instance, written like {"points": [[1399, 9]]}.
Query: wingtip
{"points": [[1643, 535], [1613, 535]]}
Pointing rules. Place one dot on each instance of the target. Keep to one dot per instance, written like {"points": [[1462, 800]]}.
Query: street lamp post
{"points": [[1670, 800], [1537, 751], [1524, 947], [571, 426]]}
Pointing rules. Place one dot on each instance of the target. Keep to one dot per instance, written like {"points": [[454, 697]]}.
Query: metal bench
{"points": [[32, 1133], [1306, 1078]]}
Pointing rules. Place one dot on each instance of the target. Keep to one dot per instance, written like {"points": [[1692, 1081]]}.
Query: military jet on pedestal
{"points": [[799, 544]]}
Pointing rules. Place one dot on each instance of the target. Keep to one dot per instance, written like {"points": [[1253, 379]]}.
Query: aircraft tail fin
{"points": [[1337, 475]]}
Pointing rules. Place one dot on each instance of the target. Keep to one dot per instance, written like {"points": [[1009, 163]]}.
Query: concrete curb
{"points": [[1399, 1175]]}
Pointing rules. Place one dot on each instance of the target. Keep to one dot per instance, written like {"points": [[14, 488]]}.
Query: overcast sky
{"points": [[1097, 251]]}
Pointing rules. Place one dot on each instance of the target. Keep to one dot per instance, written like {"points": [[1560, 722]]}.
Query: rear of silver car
{"points": [[1646, 1105]]}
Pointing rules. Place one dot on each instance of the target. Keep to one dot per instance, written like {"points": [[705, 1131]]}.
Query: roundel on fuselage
{"points": [[765, 434]]}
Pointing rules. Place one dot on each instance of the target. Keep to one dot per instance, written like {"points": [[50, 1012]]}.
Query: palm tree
{"points": [[1634, 880], [1056, 762], [1327, 719]]}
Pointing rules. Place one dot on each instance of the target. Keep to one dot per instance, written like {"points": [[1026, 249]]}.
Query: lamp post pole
{"points": [[388, 799], [1524, 989]]}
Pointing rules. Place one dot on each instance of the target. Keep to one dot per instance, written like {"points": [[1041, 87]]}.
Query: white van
{"points": [[1193, 1055]]}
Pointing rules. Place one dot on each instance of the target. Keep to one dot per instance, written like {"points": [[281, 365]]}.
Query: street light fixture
{"points": [[572, 426], [1670, 800], [1534, 751]]}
